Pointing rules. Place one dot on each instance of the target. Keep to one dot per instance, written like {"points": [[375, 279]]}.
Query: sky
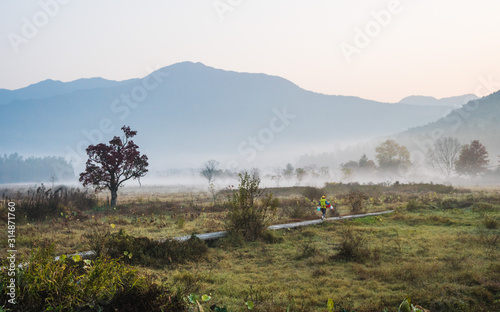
{"points": [[382, 50]]}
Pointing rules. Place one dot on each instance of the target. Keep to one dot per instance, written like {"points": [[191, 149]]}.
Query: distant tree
{"points": [[277, 177], [53, 179], [288, 171], [392, 157], [210, 170], [15, 169], [324, 172], [300, 173], [110, 165], [353, 165], [255, 173], [444, 154], [473, 159], [363, 161], [365, 165], [346, 173]]}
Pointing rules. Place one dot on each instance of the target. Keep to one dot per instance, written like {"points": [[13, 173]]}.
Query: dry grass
{"points": [[444, 259]]}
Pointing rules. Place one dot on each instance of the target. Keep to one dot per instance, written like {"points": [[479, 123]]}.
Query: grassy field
{"points": [[440, 247]]}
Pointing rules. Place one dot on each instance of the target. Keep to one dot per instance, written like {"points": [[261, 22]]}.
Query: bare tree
{"points": [[210, 170], [444, 154], [277, 177]]}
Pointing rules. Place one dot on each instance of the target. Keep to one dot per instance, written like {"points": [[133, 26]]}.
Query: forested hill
{"points": [[477, 120], [15, 169]]}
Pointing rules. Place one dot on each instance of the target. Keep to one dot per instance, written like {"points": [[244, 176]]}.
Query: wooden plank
{"points": [[311, 222], [221, 234], [207, 236]]}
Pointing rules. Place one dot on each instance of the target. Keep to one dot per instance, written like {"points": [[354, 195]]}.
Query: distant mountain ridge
{"points": [[477, 120], [188, 112], [454, 101], [49, 88]]}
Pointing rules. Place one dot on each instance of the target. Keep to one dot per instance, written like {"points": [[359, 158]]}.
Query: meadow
{"points": [[440, 247]]}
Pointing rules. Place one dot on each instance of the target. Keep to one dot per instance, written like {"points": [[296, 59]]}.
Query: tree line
{"points": [[446, 156], [16, 169], [109, 165]]}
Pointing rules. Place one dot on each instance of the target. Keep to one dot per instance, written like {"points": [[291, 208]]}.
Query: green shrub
{"points": [[299, 208], [71, 284], [356, 200], [96, 239], [490, 223], [312, 192], [148, 252], [306, 250], [249, 210], [353, 246], [412, 205], [483, 207]]}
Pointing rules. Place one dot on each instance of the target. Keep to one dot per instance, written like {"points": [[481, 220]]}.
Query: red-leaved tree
{"points": [[110, 165], [473, 159]]}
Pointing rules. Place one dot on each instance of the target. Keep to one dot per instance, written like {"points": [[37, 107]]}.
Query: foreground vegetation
{"points": [[440, 247]]}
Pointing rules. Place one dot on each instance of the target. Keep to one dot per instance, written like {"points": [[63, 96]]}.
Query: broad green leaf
{"points": [[77, 258], [205, 298], [249, 304], [405, 306], [192, 298]]}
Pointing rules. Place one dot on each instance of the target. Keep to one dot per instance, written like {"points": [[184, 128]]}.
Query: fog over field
{"points": [[208, 82]]}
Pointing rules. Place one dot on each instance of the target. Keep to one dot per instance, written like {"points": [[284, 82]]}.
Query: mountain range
{"points": [[454, 101], [187, 113], [477, 120]]}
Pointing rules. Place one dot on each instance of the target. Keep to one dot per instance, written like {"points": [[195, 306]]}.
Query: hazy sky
{"points": [[381, 50]]}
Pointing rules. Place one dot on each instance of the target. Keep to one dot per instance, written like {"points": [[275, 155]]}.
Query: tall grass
{"points": [[40, 203]]}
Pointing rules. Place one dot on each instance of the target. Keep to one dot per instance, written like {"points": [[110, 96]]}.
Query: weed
{"points": [[490, 240], [96, 239], [306, 250], [353, 246], [70, 284], [312, 192], [356, 200], [483, 207], [299, 208], [181, 222], [413, 205], [490, 223], [40, 203], [246, 215], [148, 252]]}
